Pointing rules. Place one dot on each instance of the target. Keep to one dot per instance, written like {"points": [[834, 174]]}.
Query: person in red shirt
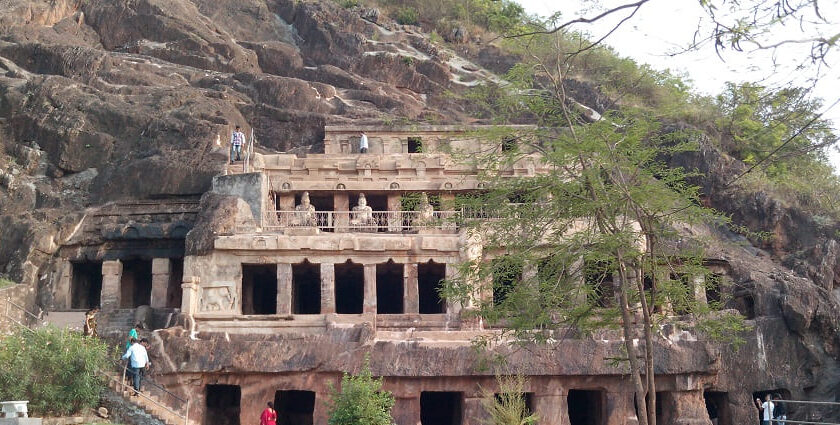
{"points": [[269, 416]]}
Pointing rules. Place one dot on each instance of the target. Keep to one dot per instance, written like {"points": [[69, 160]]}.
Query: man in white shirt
{"points": [[237, 139], [138, 360], [363, 143], [766, 409]]}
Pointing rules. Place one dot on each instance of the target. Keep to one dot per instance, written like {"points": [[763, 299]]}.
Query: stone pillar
{"points": [[284, 288], [552, 409], [111, 277], [620, 409], [160, 282], [411, 296], [406, 411], [699, 283], [189, 297], [474, 412], [453, 308], [64, 288], [327, 288], [341, 203], [370, 289]]}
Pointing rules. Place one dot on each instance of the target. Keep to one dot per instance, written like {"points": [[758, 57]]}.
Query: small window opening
{"points": [[509, 145], [717, 407], [415, 145], [714, 283], [176, 276], [598, 276], [507, 272]]}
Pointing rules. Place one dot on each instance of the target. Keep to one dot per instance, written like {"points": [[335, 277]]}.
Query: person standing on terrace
{"points": [[237, 139], [363, 143]]}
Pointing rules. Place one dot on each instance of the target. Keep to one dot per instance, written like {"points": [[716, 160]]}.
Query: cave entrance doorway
{"points": [[176, 276], [441, 408], [745, 304], [429, 278], [586, 407], [223, 404], [136, 283], [306, 288], [259, 289], [717, 407], [295, 407], [349, 288], [389, 288], [86, 286]]}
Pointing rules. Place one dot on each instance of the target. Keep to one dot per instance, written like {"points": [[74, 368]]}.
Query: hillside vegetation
{"points": [[775, 130]]}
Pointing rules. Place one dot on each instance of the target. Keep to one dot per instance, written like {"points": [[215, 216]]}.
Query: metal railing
{"points": [[363, 221], [147, 381], [779, 421]]}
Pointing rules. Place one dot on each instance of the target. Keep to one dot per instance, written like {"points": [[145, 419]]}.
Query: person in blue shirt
{"points": [[138, 360]]}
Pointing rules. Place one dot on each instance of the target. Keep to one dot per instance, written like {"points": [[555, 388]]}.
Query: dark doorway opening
{"points": [[714, 284], [86, 286], [294, 407], [717, 407], [223, 404], [508, 145], [306, 288], [586, 407], [598, 276], [415, 145], [349, 288], [745, 304], [176, 276], [507, 272], [441, 408], [429, 278], [259, 289], [389, 288], [136, 283]]}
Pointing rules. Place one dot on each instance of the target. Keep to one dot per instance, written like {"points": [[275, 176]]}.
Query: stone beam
{"points": [[111, 277], [160, 282], [327, 288], [411, 296], [284, 288], [370, 289]]}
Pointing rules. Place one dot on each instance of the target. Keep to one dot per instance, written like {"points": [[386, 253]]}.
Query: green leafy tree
{"points": [[55, 369], [589, 238], [361, 401]]}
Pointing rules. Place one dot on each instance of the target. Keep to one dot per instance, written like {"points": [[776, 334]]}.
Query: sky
{"points": [[662, 27]]}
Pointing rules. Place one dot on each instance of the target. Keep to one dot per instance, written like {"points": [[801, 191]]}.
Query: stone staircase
{"points": [[73, 320], [149, 402], [120, 319]]}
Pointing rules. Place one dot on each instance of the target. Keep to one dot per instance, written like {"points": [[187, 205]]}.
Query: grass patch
{"points": [[5, 283]]}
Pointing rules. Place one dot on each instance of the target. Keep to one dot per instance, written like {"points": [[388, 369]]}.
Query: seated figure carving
{"points": [[362, 214], [425, 211], [305, 212]]}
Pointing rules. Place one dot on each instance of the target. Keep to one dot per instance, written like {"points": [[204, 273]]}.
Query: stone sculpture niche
{"points": [[305, 212], [219, 297]]}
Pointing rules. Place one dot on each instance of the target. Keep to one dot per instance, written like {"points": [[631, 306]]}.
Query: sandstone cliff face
{"points": [[103, 100]]}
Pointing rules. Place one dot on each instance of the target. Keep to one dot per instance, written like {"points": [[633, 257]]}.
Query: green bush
{"points": [[348, 4], [407, 16], [508, 407], [361, 401], [5, 282], [55, 369]]}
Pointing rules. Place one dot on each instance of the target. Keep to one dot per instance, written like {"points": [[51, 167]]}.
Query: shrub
{"points": [[361, 401], [5, 282], [55, 369], [508, 406], [407, 16], [348, 4]]}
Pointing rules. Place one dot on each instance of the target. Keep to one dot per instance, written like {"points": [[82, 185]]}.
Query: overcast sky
{"points": [[662, 27]]}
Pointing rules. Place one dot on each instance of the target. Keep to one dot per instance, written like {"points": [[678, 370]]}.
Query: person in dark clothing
{"points": [[780, 411]]}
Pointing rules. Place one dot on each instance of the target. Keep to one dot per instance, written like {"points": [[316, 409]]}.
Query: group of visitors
{"points": [[237, 139], [772, 412], [138, 357]]}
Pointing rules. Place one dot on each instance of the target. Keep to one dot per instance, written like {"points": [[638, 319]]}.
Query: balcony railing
{"points": [[364, 221]]}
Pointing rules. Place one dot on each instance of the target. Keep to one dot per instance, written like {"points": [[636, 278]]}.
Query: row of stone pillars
{"points": [[112, 272], [411, 297]]}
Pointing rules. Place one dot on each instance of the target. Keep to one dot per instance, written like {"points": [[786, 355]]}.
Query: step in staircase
{"points": [[147, 401]]}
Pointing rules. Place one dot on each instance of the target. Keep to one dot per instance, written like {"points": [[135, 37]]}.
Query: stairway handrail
{"points": [[185, 416]]}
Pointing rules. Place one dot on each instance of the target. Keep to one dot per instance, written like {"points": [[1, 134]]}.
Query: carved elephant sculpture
{"points": [[218, 298]]}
